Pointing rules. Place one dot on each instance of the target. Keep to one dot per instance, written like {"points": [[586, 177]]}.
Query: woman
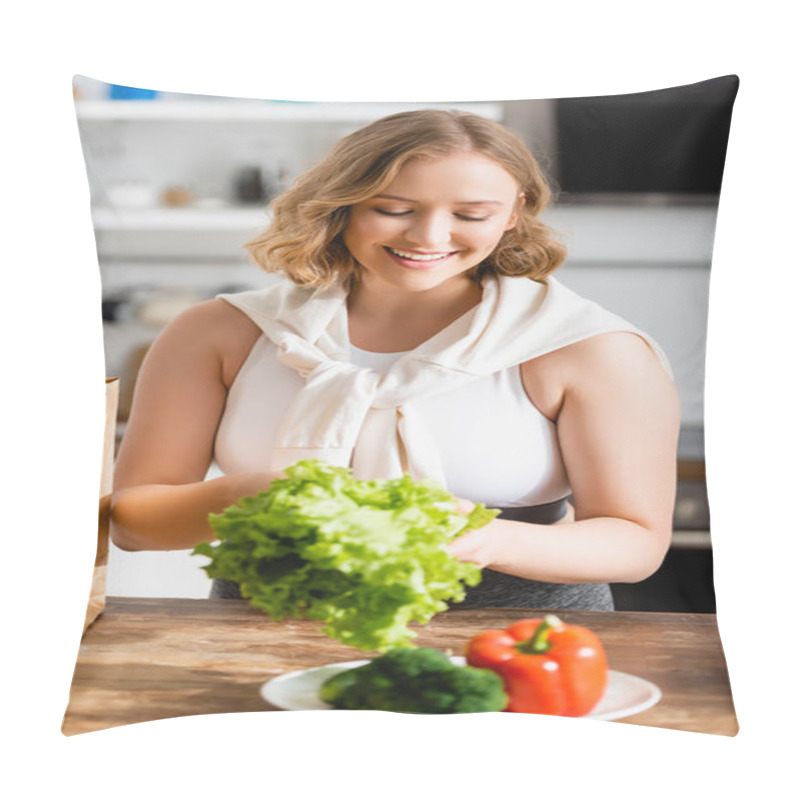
{"points": [[419, 332]]}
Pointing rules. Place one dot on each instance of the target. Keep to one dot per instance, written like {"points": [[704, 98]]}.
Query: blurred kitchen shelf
{"points": [[231, 218], [632, 236], [691, 540], [692, 469], [258, 110]]}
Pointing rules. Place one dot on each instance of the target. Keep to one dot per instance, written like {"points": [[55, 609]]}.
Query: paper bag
{"points": [[97, 595]]}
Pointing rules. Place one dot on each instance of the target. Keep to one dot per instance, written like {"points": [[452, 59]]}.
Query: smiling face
{"points": [[436, 221]]}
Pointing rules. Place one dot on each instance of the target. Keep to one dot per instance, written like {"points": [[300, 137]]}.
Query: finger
{"points": [[464, 506]]}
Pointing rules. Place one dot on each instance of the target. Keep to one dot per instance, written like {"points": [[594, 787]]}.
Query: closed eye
{"points": [[465, 217]]}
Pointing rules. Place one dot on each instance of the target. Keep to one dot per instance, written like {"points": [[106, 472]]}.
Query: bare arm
{"points": [[617, 417], [160, 499]]}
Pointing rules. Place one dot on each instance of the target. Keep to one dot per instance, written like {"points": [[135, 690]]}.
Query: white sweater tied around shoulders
{"points": [[356, 417]]}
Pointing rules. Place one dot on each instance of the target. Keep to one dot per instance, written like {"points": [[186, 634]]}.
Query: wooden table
{"points": [[147, 659]]}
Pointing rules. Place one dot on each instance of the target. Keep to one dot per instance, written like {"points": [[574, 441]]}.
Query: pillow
{"points": [[179, 183]]}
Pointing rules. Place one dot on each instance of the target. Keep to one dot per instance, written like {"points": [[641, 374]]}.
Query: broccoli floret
{"points": [[415, 681]]}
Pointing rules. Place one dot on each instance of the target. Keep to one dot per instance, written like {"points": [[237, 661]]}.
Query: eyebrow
{"points": [[458, 203]]}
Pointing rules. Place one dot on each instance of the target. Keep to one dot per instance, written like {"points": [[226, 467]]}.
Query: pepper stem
{"points": [[538, 643]]}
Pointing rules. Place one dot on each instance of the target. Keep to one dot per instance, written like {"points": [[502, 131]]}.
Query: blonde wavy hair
{"points": [[304, 239]]}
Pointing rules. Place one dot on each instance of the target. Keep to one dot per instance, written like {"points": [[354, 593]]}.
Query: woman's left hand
{"points": [[473, 546], [617, 419]]}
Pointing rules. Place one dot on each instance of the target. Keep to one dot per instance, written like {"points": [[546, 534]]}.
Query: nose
{"points": [[429, 231]]}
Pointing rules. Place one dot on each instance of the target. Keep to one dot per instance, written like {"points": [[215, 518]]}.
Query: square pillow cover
{"points": [[355, 354]]}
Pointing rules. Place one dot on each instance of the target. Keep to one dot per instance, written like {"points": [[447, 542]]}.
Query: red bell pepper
{"points": [[547, 667]]}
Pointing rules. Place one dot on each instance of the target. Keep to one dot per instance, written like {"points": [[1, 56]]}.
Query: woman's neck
{"points": [[387, 320]]}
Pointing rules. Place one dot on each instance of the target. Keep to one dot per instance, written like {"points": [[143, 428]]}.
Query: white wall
{"points": [[669, 303], [151, 574]]}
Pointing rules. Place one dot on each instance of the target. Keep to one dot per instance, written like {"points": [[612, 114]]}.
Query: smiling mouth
{"points": [[423, 258]]}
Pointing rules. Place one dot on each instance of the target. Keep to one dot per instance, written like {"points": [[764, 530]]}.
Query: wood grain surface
{"points": [[145, 659]]}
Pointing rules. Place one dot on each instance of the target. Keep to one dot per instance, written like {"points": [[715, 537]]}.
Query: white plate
{"points": [[298, 691]]}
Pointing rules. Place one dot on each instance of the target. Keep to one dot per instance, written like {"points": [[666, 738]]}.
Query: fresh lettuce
{"points": [[365, 557]]}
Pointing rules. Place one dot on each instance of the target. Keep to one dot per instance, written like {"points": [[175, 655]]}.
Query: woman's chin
{"points": [[426, 281], [414, 279]]}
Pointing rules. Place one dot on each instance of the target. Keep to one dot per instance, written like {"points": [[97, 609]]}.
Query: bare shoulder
{"points": [[214, 318], [619, 353], [605, 362], [214, 328]]}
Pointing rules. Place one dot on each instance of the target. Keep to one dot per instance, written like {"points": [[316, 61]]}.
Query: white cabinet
{"points": [[231, 110]]}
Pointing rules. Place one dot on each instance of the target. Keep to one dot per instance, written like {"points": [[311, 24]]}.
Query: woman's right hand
{"points": [[252, 483], [175, 517], [161, 500]]}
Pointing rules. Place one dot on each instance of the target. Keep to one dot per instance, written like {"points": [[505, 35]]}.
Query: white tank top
{"points": [[495, 445]]}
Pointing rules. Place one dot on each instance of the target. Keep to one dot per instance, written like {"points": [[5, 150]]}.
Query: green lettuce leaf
{"points": [[365, 557]]}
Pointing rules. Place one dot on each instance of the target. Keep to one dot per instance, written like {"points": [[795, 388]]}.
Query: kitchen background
{"points": [[180, 182]]}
